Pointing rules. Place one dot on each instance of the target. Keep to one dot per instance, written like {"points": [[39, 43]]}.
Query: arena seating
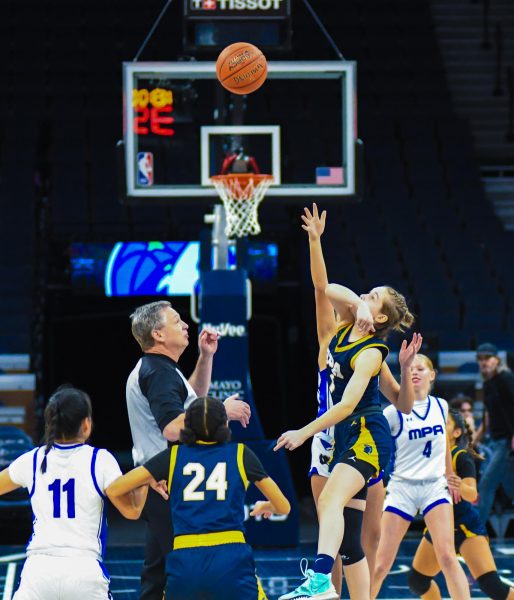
{"points": [[424, 224], [424, 208]]}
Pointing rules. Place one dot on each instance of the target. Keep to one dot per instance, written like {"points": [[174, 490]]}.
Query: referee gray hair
{"points": [[145, 319]]}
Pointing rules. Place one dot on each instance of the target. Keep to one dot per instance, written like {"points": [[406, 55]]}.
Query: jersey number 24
{"points": [[217, 481]]}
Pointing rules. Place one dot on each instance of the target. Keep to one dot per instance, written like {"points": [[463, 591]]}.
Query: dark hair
{"points": [[205, 421], [459, 400], [64, 413], [466, 437]]}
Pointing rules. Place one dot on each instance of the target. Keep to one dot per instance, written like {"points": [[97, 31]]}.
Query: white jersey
{"points": [[419, 452], [68, 500], [322, 448]]}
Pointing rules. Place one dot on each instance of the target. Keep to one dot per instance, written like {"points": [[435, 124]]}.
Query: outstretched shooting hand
{"points": [[314, 224]]}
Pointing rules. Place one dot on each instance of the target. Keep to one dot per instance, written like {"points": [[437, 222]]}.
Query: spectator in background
{"points": [[464, 404], [497, 423]]}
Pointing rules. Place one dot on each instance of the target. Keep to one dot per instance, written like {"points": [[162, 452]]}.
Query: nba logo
{"points": [[145, 168]]}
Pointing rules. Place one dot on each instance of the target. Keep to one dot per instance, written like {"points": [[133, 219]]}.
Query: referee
{"points": [[157, 396]]}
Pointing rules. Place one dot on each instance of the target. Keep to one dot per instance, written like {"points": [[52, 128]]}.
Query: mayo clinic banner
{"points": [[223, 306]]}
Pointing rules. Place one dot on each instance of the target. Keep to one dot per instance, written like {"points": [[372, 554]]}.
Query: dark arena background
{"points": [[420, 133]]}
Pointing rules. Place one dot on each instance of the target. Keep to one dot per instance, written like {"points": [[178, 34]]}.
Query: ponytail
{"points": [[469, 438], [205, 421], [399, 317], [466, 437], [52, 427], [64, 414]]}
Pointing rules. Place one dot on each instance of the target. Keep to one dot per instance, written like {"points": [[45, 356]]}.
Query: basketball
{"points": [[241, 68]]}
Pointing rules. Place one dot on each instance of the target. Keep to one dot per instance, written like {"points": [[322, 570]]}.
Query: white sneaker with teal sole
{"points": [[316, 585]]}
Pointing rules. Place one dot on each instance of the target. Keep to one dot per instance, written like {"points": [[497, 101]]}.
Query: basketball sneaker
{"points": [[315, 585]]}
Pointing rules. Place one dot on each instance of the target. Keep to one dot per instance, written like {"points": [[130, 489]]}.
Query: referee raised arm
{"points": [[157, 396]]}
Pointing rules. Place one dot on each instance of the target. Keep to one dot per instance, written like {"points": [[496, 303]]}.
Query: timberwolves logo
{"points": [[368, 449], [151, 268]]}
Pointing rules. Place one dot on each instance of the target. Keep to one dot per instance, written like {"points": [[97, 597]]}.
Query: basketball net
{"points": [[241, 194]]}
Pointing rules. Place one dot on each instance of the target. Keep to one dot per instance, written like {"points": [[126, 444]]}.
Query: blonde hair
{"points": [[428, 362], [399, 318], [430, 366]]}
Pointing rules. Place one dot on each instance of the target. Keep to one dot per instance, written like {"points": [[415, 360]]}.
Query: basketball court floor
{"points": [[278, 569]]}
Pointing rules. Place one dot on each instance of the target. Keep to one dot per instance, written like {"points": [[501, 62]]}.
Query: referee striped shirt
{"points": [[157, 393]]}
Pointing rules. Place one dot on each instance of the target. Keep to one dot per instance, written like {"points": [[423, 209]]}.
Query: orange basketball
{"points": [[241, 68]]}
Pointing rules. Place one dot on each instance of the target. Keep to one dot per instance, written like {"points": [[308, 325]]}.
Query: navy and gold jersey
{"points": [[207, 485], [364, 435], [341, 359], [464, 466], [467, 521], [466, 516]]}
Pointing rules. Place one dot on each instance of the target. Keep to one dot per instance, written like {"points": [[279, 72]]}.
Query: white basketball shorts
{"points": [[322, 452], [407, 498], [62, 578]]}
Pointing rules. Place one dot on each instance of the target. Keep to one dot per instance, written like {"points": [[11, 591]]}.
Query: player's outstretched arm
{"points": [[314, 225], [367, 365], [277, 503], [350, 307], [6, 483], [401, 396], [128, 492]]}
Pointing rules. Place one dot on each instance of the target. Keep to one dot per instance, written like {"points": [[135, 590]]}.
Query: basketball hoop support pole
{"points": [[225, 305], [219, 240]]}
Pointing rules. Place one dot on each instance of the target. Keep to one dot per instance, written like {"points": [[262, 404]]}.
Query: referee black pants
{"points": [[159, 542]]}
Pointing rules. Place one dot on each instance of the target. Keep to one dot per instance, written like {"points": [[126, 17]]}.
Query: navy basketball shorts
{"points": [[225, 571], [364, 443]]}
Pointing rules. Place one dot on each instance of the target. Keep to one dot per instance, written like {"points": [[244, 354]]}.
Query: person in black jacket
{"points": [[498, 423]]}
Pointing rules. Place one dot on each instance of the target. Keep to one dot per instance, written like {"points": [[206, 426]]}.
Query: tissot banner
{"points": [[236, 8]]}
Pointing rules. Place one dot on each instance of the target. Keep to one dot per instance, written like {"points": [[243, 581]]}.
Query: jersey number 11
{"points": [[69, 489]]}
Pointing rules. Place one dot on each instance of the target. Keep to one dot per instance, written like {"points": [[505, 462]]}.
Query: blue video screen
{"points": [[154, 268]]}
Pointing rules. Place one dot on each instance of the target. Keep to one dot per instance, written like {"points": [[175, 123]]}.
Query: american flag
{"points": [[329, 175]]}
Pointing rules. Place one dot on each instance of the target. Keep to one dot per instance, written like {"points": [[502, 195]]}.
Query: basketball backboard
{"points": [[181, 128]]}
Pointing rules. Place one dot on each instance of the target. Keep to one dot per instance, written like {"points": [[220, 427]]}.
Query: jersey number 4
{"points": [[428, 449], [217, 481], [69, 489]]}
